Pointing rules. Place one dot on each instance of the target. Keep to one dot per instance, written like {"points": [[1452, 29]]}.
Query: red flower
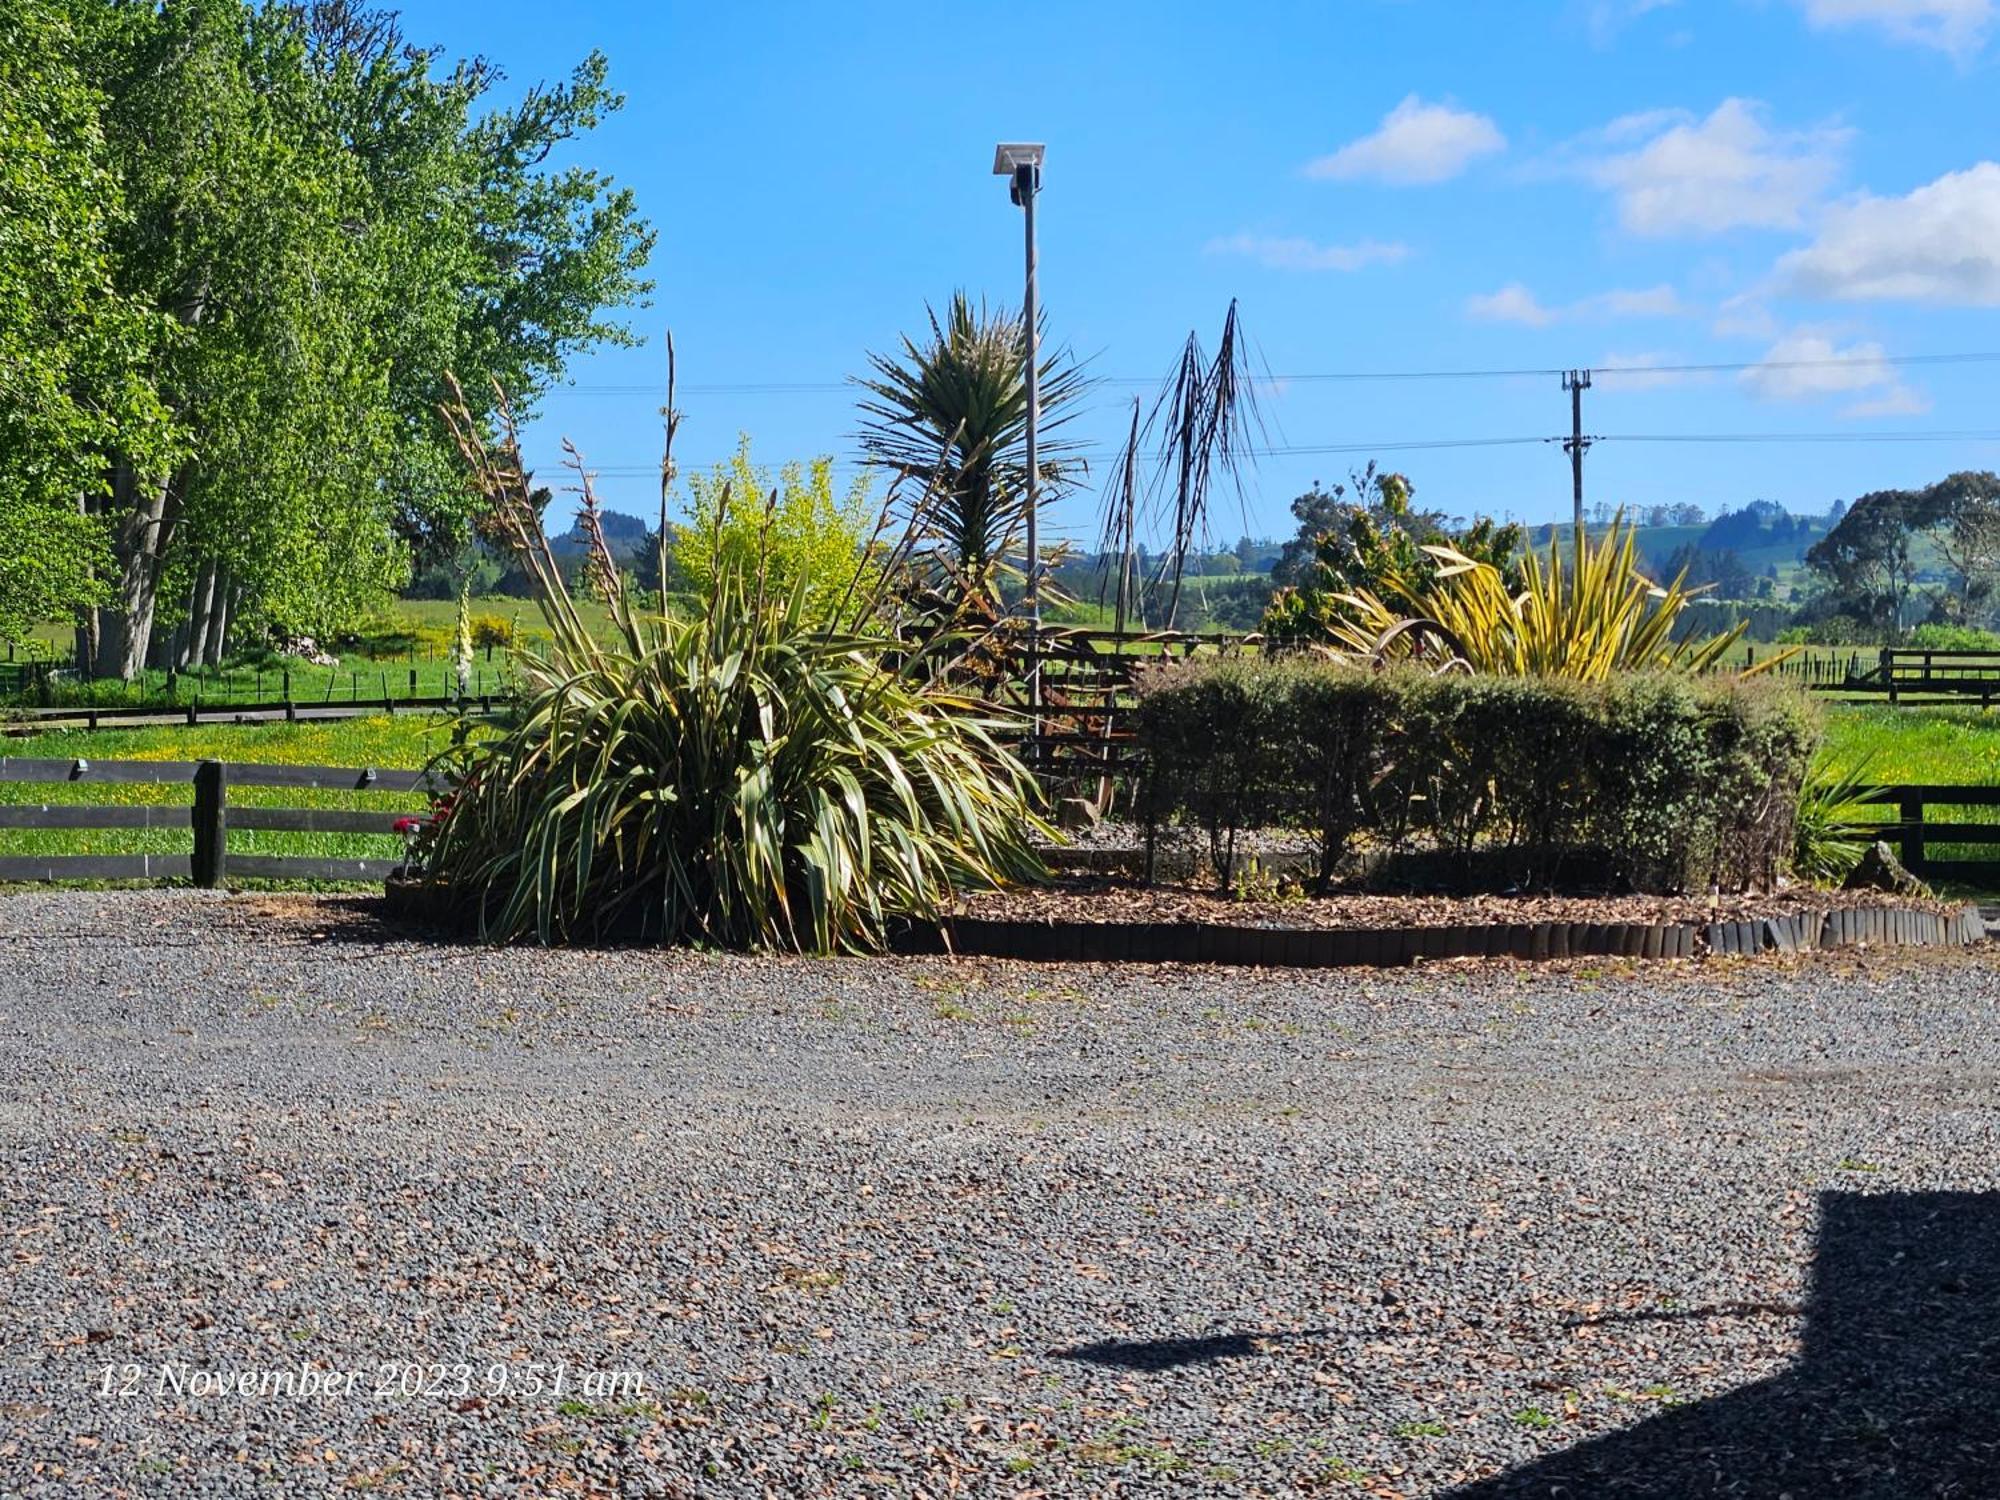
{"points": [[407, 826]]}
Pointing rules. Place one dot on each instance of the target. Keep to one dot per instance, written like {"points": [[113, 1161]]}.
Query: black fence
{"points": [[208, 861], [33, 720], [1895, 673], [1914, 833], [211, 816]]}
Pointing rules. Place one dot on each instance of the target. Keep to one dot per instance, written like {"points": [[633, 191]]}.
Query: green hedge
{"points": [[1652, 782]]}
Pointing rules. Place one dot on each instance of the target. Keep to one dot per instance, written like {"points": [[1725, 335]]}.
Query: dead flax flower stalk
{"points": [[509, 518], [1207, 418]]}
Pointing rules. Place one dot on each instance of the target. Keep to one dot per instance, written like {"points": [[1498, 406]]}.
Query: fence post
{"points": [[211, 823], [1911, 814]]}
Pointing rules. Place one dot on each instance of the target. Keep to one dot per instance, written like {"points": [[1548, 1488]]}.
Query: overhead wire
{"points": [[1839, 361]]}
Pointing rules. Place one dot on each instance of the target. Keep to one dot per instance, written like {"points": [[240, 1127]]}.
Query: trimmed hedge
{"points": [[1650, 782]]}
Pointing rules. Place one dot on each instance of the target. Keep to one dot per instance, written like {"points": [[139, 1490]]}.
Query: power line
{"points": [[1409, 445], [821, 387], [1972, 434]]}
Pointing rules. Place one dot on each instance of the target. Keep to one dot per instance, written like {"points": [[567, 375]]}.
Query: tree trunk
{"points": [[126, 630], [218, 622], [86, 642], [86, 619], [201, 613], [147, 510]]}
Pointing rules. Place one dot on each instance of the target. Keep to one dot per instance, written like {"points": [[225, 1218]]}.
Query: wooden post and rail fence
{"points": [[212, 817], [1085, 735], [208, 820]]}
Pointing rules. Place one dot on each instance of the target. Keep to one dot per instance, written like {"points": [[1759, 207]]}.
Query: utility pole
{"points": [[1576, 382]]}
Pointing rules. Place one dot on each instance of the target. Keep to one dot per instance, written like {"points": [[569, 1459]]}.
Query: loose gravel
{"points": [[922, 1227]]}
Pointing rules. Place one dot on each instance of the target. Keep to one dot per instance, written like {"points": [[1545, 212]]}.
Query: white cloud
{"points": [[1606, 18], [1940, 243], [1514, 303], [1805, 366], [1957, 26], [1640, 124], [1416, 142], [1744, 316], [1647, 302], [1729, 171], [1295, 253], [1897, 401]]}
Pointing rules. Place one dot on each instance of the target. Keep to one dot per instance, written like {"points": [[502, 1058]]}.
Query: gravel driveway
{"points": [[299, 1206]]}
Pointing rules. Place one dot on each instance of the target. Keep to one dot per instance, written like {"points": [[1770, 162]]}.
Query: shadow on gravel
{"points": [[1691, 1314], [1172, 1354], [1896, 1392]]}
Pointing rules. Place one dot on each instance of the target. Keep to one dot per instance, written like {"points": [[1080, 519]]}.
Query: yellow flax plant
{"points": [[1582, 617]]}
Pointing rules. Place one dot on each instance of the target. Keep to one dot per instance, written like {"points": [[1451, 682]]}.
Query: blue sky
{"points": [[1387, 185]]}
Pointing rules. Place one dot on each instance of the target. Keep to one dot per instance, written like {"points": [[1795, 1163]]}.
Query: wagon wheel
{"points": [[1421, 640]]}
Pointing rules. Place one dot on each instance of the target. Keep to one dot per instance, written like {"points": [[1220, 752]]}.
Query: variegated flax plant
{"points": [[1584, 617], [759, 773]]}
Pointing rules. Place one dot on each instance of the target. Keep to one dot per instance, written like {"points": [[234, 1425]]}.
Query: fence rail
{"points": [[1913, 832], [33, 719], [208, 819], [211, 817], [1913, 671]]}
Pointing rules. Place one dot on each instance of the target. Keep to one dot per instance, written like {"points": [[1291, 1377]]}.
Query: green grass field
{"points": [[406, 653], [400, 741], [1946, 745], [1950, 746]]}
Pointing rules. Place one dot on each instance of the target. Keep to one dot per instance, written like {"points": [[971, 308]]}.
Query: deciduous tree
{"points": [[316, 223]]}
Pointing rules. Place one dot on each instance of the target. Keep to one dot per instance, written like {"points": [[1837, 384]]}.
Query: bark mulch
{"points": [[1110, 899]]}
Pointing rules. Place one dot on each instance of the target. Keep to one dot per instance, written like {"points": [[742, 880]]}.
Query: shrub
{"points": [[1936, 636], [794, 525], [1387, 551], [1650, 781], [752, 775], [489, 631], [1830, 834], [1214, 754]]}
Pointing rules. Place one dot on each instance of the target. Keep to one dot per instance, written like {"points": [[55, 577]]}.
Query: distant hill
{"points": [[624, 534], [1764, 536]]}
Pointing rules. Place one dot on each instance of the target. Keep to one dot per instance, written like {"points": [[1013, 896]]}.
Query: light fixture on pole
{"points": [[1022, 163]]}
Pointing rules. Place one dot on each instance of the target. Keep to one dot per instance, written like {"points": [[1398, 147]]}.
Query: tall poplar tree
{"points": [[310, 222]]}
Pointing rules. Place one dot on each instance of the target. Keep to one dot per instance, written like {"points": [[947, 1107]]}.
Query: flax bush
{"points": [[764, 772], [1584, 610]]}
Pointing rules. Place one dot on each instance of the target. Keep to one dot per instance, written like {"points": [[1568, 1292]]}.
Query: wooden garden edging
{"points": [[208, 820], [1340, 947]]}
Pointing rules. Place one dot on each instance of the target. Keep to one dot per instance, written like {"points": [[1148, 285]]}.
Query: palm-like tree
{"points": [[951, 414]]}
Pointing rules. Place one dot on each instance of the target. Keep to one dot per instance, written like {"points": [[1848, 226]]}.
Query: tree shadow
{"points": [[1173, 1354], [1896, 1394]]}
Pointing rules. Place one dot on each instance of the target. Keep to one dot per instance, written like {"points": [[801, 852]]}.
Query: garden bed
{"points": [[1100, 899], [1099, 920], [1104, 921]]}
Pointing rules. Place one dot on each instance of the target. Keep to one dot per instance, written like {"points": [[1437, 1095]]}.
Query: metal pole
{"points": [[1026, 181]]}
